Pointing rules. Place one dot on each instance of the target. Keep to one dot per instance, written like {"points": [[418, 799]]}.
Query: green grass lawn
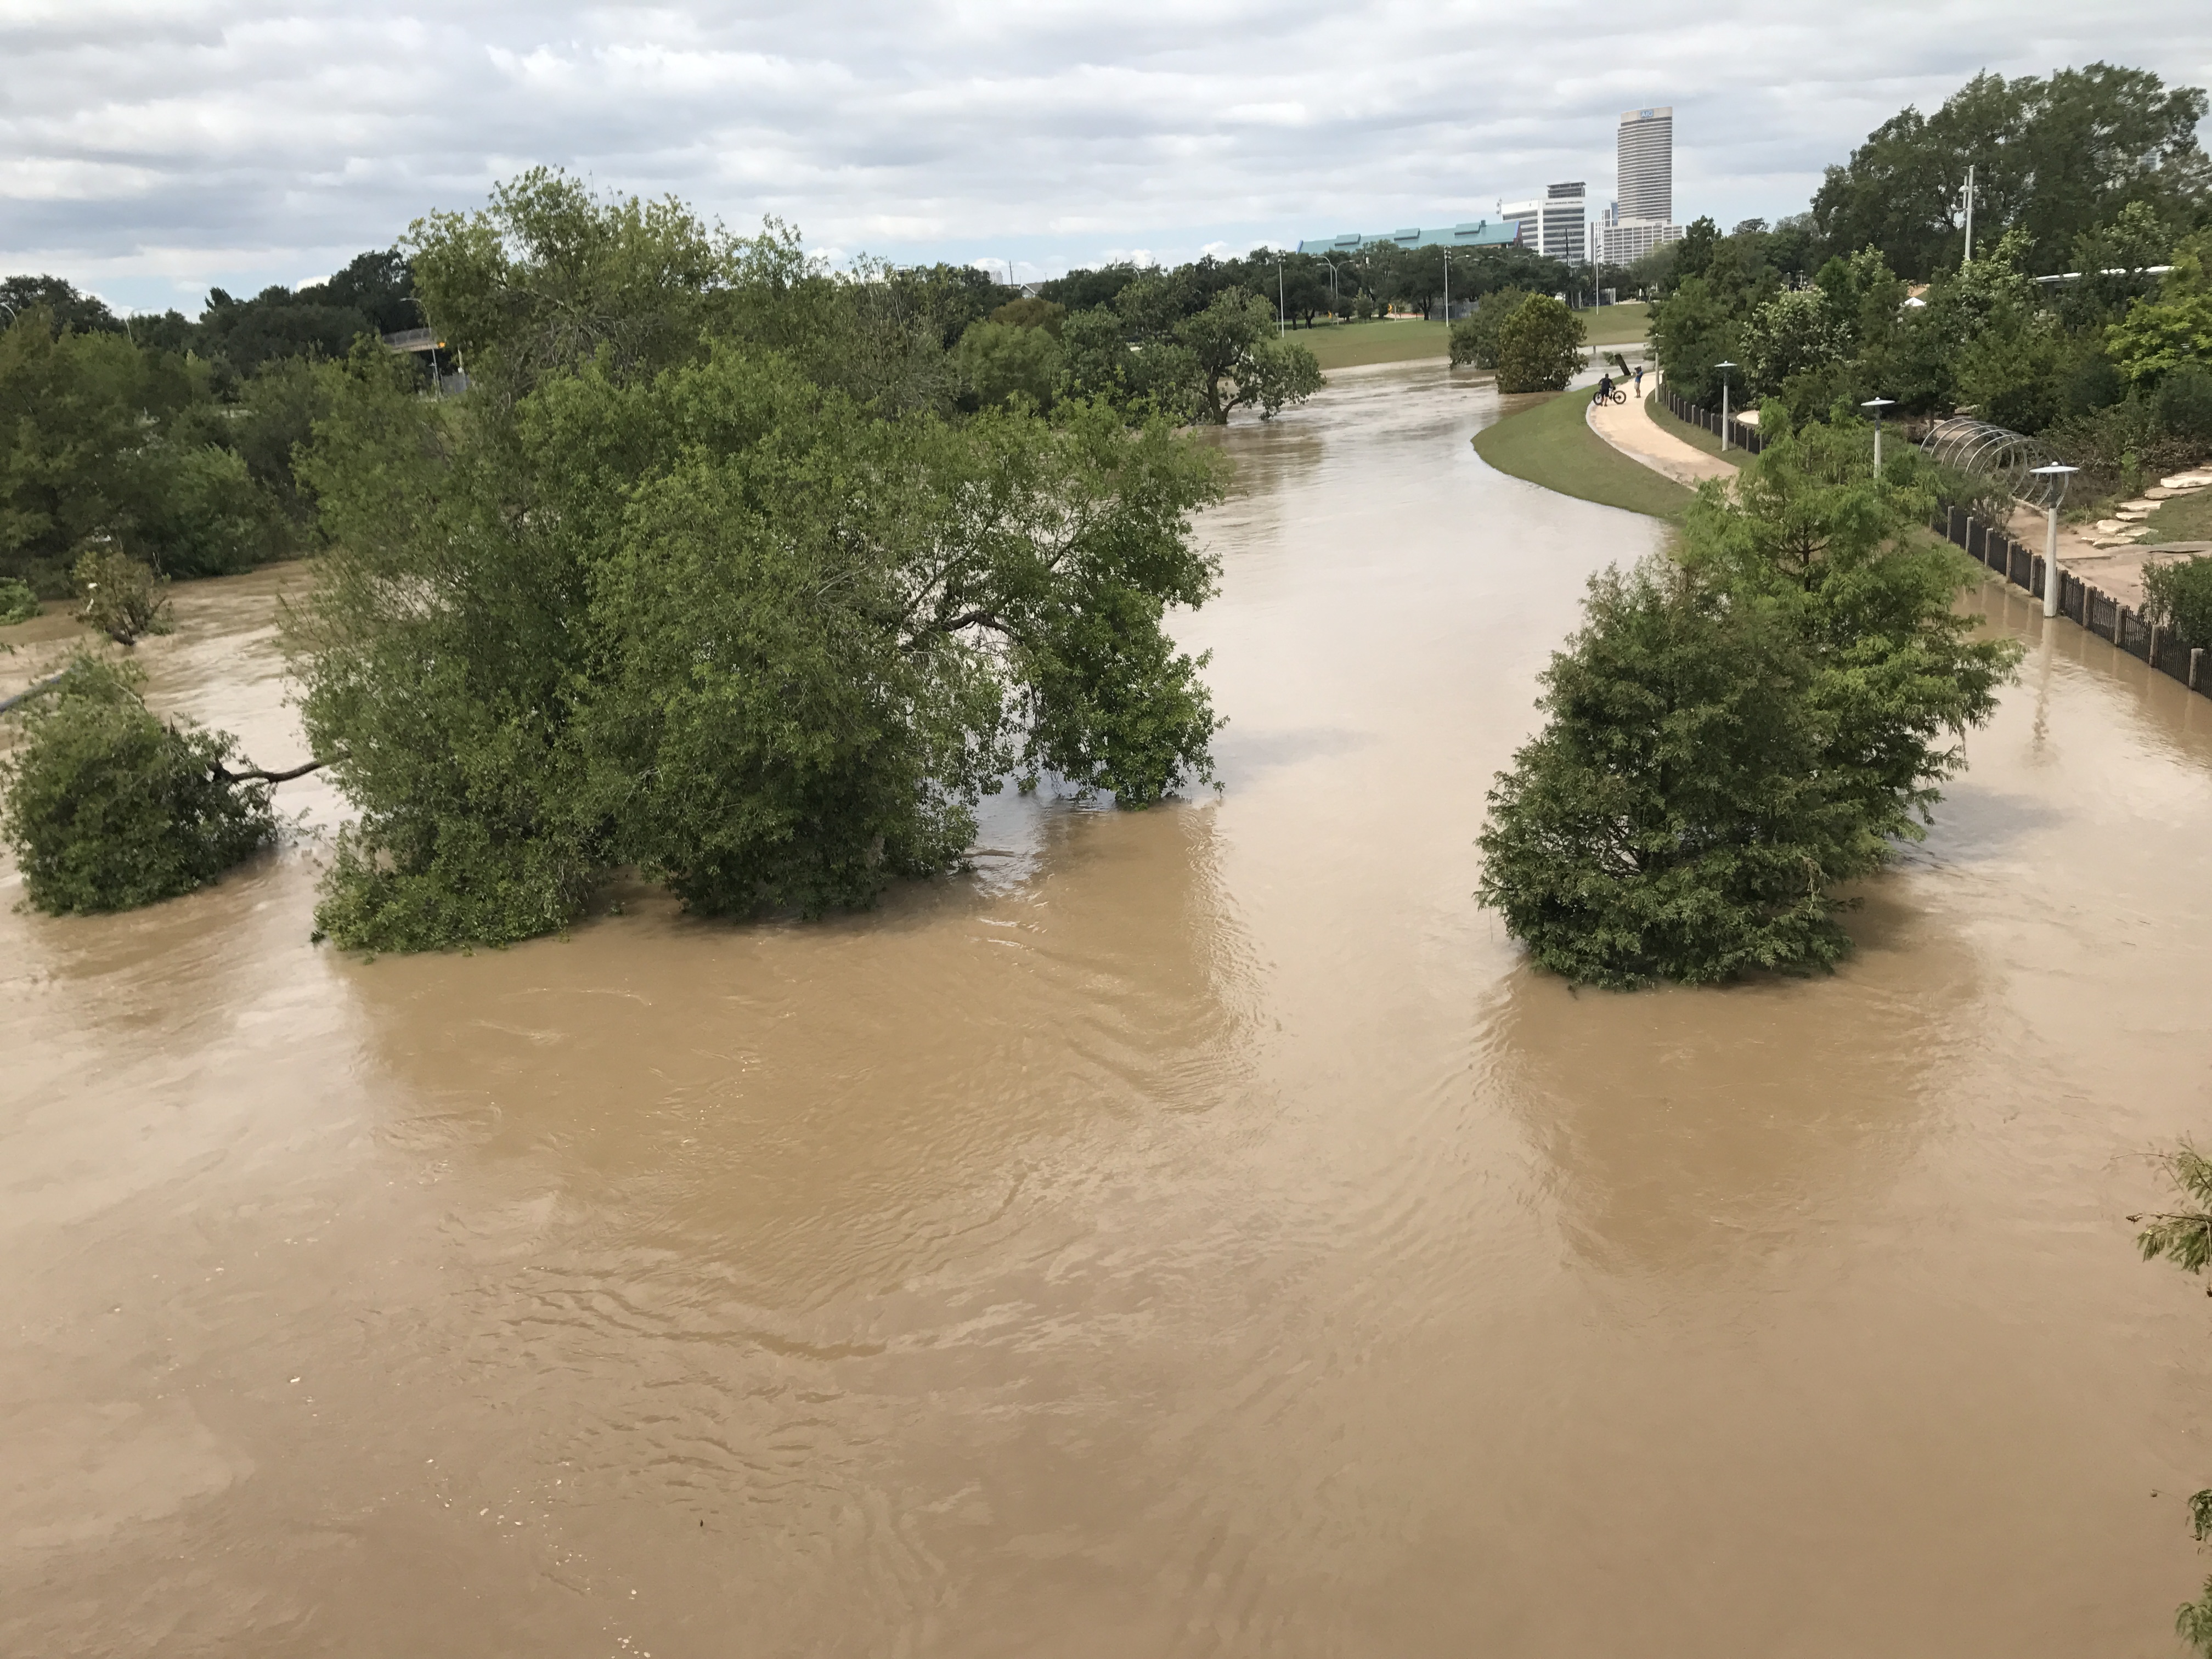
{"points": [[1547, 442], [1696, 436], [2183, 518], [1618, 325], [1350, 345]]}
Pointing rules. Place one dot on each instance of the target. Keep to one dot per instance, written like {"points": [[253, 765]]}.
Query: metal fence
{"points": [[1749, 439], [2078, 601]]}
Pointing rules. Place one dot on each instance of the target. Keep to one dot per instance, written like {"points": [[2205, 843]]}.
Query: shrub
{"points": [[1539, 348], [109, 808], [17, 602], [2179, 596], [123, 598], [2184, 403]]}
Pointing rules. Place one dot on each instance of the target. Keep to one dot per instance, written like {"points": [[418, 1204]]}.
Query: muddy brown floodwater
{"points": [[1194, 1234]]}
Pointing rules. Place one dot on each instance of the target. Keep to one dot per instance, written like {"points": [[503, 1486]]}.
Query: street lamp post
{"points": [[1447, 288], [1282, 312], [1878, 404], [2058, 476], [1724, 368]]}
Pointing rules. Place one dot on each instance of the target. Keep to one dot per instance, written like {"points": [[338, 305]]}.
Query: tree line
{"points": [[727, 568]]}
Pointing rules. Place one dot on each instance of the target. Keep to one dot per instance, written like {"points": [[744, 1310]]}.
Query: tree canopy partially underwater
{"points": [[1743, 727], [707, 577]]}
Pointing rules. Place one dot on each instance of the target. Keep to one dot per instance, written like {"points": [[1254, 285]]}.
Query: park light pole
{"points": [[1724, 368], [2057, 474], [1447, 288], [1878, 404], [1282, 312]]}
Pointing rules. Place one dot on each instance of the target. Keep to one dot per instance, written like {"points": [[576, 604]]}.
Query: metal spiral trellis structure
{"points": [[2007, 459]]}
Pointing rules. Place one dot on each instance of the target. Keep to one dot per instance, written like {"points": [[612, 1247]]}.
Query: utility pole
{"points": [[1282, 312], [1970, 213]]}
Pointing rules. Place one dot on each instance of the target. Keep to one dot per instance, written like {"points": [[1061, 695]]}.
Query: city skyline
{"points": [[155, 150]]}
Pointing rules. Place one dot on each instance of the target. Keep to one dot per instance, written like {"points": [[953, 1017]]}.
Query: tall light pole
{"points": [[1447, 288], [1970, 214], [1282, 312], [2057, 474], [1331, 263], [1724, 368], [1878, 404]]}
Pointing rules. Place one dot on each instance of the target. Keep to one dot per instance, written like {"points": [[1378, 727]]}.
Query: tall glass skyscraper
{"points": [[1646, 152]]}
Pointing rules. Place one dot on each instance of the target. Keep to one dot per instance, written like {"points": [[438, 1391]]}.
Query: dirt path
{"points": [[1630, 429]]}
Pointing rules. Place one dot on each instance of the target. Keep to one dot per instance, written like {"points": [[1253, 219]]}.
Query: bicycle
{"points": [[1616, 396]]}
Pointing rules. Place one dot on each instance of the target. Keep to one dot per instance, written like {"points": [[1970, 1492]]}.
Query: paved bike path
{"points": [[1630, 429]]}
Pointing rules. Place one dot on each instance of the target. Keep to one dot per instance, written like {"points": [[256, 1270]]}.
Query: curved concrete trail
{"points": [[1630, 429]]}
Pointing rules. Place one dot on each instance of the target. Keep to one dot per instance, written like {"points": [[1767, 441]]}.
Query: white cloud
{"points": [[157, 145]]}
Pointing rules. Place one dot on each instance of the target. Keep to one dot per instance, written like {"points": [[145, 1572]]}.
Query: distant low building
{"points": [[1627, 240], [1554, 224], [1479, 232]]}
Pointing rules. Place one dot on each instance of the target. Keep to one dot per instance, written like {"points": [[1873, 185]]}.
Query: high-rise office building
{"points": [[1645, 151], [1555, 224], [1643, 219]]}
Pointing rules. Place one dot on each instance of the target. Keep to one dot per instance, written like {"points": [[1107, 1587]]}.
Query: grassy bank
{"points": [[1696, 436], [1616, 325], [2183, 518], [1548, 442], [1350, 345]]}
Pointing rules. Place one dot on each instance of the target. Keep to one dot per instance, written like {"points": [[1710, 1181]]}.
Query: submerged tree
{"points": [[1672, 820], [1540, 346], [108, 807], [1735, 734], [714, 598]]}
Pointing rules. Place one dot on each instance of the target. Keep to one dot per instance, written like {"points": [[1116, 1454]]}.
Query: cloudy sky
{"points": [[150, 148]]}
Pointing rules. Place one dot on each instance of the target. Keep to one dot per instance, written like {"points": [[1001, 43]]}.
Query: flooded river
{"points": [[1194, 1234]]}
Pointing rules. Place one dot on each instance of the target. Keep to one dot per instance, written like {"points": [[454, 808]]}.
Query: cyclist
{"points": [[1604, 387]]}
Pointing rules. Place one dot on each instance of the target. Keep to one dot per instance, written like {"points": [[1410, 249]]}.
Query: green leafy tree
{"points": [[17, 602], [2160, 335], [2183, 1237], [1475, 337], [123, 598], [64, 307], [999, 361], [1733, 735], [2056, 157], [1672, 821], [1540, 346], [2178, 595], [108, 807], [1793, 333], [696, 607], [1237, 361]]}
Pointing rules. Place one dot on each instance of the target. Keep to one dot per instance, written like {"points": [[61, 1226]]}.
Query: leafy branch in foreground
{"points": [[108, 807], [2183, 1237]]}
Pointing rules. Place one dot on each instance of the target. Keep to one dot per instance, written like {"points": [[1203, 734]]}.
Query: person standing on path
{"points": [[1639, 379]]}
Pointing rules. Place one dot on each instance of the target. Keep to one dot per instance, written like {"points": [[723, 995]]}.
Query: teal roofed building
{"points": [[1482, 233]]}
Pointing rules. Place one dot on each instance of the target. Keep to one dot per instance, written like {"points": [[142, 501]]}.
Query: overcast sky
{"points": [[150, 148]]}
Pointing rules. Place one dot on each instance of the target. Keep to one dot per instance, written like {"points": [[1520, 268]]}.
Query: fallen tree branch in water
{"points": [[254, 774], [30, 692]]}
